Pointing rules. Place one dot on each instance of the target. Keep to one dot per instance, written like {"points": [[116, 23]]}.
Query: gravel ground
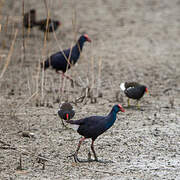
{"points": [[131, 41]]}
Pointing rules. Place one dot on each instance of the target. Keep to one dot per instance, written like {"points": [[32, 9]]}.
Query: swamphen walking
{"points": [[133, 90], [63, 60], [92, 127], [66, 112]]}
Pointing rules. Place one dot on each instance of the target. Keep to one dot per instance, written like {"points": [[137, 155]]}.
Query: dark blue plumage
{"points": [[58, 61], [93, 126]]}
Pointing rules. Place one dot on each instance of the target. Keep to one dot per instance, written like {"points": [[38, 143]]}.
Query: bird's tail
{"points": [[75, 124], [122, 86], [45, 64], [71, 121]]}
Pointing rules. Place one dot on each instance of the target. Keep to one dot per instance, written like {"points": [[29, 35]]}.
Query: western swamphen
{"points": [[92, 127], [66, 112], [63, 60], [51, 26], [133, 90], [29, 19]]}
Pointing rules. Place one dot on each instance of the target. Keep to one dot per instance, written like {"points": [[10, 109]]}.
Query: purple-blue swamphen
{"points": [[63, 60], [92, 127], [59, 61]]}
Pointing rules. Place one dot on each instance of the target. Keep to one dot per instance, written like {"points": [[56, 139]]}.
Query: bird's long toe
{"points": [[104, 161], [77, 160]]}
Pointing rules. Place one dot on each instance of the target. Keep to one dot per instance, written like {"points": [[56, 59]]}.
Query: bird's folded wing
{"points": [[89, 120], [78, 122], [131, 92]]}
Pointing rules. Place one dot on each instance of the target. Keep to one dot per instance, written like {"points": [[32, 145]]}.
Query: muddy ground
{"points": [[131, 40]]}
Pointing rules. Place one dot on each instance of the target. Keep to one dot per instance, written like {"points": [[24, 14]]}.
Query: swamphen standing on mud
{"points": [[52, 25], [92, 127], [29, 19], [66, 112], [63, 60], [133, 90]]}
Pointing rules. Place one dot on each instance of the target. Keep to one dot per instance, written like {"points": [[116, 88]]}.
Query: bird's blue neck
{"points": [[111, 119], [77, 50], [79, 45]]}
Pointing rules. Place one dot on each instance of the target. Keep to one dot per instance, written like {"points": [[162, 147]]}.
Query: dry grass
{"points": [[9, 55]]}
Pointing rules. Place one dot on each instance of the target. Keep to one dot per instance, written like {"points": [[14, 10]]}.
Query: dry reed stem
{"points": [[44, 49], [75, 34], [37, 77], [23, 35], [9, 55], [59, 46], [1, 5], [92, 66], [99, 75], [33, 95], [5, 31]]}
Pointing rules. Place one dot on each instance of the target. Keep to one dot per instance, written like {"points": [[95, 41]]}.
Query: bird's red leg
{"points": [[95, 156], [92, 148], [72, 81], [76, 153], [68, 77]]}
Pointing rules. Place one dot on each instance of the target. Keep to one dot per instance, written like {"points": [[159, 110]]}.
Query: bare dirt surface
{"points": [[131, 40]]}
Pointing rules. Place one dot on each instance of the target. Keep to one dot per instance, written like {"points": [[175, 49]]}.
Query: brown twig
{"points": [[33, 95], [23, 33], [9, 55]]}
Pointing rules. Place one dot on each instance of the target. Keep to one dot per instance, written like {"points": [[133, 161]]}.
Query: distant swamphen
{"points": [[66, 112], [63, 60], [51, 26], [133, 90], [29, 19], [92, 127]]}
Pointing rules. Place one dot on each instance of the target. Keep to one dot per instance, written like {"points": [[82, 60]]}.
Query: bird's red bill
{"points": [[121, 108], [87, 37], [146, 90], [67, 116]]}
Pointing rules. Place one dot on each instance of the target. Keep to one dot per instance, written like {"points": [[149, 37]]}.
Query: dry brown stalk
{"points": [[9, 55], [23, 35], [33, 95]]}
